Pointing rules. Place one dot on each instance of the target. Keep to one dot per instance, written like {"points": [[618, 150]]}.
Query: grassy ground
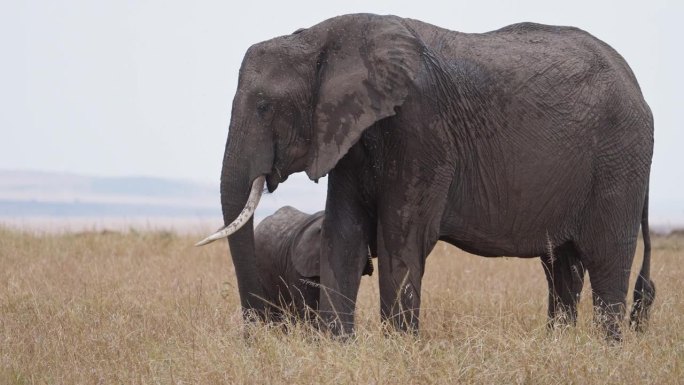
{"points": [[148, 308]]}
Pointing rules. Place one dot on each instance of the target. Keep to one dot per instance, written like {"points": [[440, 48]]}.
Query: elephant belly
{"points": [[486, 246], [515, 215]]}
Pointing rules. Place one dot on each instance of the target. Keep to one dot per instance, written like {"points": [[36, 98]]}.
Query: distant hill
{"points": [[34, 196], [45, 194]]}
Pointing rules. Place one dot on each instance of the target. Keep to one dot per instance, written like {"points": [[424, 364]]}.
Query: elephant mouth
{"points": [[272, 181]]}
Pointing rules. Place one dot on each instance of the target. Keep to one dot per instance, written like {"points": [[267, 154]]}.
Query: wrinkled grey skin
{"points": [[500, 143], [287, 255]]}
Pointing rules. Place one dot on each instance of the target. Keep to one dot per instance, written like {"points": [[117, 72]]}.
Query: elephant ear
{"points": [[307, 248], [365, 72]]}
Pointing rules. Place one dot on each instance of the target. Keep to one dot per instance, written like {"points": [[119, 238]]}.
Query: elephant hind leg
{"points": [[607, 238], [609, 267], [565, 277]]}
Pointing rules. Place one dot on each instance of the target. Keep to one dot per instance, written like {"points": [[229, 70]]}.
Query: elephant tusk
{"points": [[245, 215]]}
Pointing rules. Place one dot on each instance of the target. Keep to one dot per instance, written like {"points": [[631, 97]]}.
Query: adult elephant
{"points": [[509, 142], [287, 250]]}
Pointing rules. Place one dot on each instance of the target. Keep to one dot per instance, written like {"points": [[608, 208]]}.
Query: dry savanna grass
{"points": [[148, 308]]}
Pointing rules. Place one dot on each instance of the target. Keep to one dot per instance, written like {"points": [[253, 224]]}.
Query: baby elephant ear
{"points": [[364, 74], [306, 252]]}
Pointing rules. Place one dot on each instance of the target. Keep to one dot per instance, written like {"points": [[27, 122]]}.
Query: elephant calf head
{"points": [[287, 248]]}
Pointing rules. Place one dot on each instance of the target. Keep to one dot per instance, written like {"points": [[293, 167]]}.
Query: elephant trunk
{"points": [[248, 158], [241, 186], [234, 197]]}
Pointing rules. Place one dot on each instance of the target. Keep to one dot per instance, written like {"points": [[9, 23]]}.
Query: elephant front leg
{"points": [[401, 263], [408, 228], [400, 286], [344, 254]]}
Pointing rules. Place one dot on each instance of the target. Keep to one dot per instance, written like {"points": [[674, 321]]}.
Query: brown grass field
{"points": [[149, 308]]}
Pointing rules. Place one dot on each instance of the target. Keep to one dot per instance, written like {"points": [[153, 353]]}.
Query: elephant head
{"points": [[302, 101]]}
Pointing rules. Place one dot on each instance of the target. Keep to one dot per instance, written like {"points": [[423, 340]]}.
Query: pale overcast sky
{"points": [[114, 88]]}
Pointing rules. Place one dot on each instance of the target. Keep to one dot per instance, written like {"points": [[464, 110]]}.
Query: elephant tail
{"points": [[644, 289]]}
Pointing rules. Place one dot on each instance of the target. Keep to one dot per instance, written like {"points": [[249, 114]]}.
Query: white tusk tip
{"points": [[245, 215], [217, 235], [203, 242]]}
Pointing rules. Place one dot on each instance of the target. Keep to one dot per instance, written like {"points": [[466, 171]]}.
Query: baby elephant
{"points": [[287, 246]]}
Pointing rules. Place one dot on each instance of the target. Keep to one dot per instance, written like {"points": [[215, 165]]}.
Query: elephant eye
{"points": [[263, 107]]}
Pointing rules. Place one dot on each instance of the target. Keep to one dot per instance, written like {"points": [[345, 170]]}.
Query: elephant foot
{"points": [[403, 323], [561, 320], [336, 324], [609, 318], [335, 330]]}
